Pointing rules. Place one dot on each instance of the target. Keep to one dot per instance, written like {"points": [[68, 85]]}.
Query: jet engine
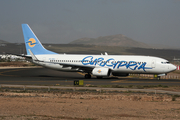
{"points": [[103, 72]]}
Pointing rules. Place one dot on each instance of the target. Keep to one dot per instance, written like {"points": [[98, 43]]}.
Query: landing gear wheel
{"points": [[87, 76], [159, 77]]}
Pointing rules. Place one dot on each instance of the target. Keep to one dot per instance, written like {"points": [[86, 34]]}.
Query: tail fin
{"points": [[32, 43]]}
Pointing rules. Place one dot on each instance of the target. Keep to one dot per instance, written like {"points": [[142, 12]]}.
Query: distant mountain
{"points": [[2, 41], [112, 40]]}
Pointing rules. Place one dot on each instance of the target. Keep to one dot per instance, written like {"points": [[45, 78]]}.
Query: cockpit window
{"points": [[165, 62]]}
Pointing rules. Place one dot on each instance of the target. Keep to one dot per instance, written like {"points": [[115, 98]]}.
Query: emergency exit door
{"points": [[153, 64]]}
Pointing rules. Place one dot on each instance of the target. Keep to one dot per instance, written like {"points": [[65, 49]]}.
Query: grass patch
{"points": [[91, 86], [174, 97], [117, 86], [89, 119], [106, 86]]}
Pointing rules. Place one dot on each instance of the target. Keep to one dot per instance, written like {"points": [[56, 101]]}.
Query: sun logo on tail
{"points": [[31, 42]]}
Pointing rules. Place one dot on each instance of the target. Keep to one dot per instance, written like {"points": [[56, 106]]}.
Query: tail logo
{"points": [[31, 42]]}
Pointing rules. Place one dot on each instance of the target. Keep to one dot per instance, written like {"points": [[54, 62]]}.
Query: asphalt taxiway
{"points": [[43, 76]]}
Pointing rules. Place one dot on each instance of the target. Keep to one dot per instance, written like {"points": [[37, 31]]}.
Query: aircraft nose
{"points": [[172, 67]]}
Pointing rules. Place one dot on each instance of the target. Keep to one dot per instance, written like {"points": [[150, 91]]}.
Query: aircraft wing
{"points": [[21, 55], [79, 67], [25, 56], [73, 66]]}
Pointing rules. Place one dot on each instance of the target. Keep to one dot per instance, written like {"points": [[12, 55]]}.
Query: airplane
{"points": [[96, 65]]}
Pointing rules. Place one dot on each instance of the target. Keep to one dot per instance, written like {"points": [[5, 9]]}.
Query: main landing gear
{"points": [[88, 75]]}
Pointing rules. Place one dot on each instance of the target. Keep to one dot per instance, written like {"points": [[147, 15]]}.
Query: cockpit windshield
{"points": [[167, 62]]}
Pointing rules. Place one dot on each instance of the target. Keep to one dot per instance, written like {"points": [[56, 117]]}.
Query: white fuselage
{"points": [[116, 63], [96, 65]]}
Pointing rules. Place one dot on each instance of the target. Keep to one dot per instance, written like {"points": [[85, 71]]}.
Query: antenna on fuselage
{"points": [[106, 53]]}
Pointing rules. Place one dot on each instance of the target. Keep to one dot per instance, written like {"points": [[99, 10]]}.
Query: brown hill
{"points": [[113, 40]]}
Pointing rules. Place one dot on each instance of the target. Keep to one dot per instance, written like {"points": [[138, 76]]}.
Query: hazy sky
{"points": [[62, 21]]}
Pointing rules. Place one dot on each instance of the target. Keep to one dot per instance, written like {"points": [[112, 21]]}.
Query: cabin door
{"points": [[153, 64]]}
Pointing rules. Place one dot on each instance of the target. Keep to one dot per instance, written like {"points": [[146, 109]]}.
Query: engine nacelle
{"points": [[103, 72]]}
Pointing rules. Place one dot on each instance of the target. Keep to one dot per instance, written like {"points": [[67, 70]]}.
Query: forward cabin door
{"points": [[153, 64]]}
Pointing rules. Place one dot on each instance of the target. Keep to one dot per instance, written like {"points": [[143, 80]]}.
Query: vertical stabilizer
{"points": [[32, 43]]}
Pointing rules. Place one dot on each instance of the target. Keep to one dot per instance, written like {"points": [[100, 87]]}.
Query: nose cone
{"points": [[172, 68]]}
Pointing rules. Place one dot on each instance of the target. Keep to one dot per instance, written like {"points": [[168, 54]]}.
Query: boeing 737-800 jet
{"points": [[96, 65]]}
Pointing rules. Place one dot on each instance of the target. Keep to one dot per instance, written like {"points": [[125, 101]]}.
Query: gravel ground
{"points": [[87, 106]]}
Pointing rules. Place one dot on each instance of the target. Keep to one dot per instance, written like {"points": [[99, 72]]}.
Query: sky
{"points": [[62, 21]]}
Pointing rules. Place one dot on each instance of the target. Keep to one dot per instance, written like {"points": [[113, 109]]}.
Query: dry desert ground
{"points": [[88, 106]]}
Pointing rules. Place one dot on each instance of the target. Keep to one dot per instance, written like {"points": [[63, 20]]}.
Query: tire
{"points": [[87, 76]]}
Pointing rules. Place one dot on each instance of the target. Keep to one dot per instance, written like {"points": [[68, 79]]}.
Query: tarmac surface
{"points": [[43, 76]]}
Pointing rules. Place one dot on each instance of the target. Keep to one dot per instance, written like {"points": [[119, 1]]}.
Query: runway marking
{"points": [[81, 73], [71, 82], [52, 82], [125, 81], [2, 73], [37, 81], [64, 80], [85, 82]]}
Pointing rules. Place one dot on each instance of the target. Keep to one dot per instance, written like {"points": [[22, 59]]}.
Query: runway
{"points": [[43, 76]]}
